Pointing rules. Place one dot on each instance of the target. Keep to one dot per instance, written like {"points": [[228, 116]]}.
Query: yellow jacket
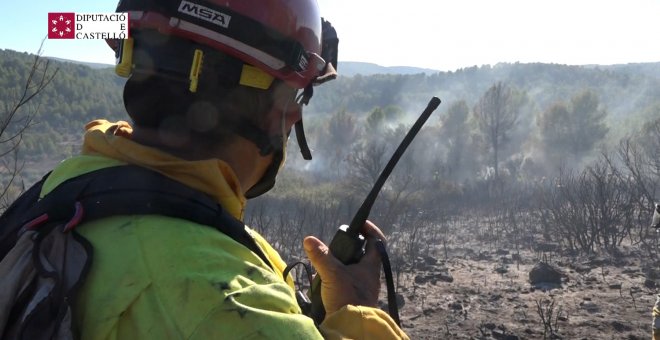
{"points": [[154, 277]]}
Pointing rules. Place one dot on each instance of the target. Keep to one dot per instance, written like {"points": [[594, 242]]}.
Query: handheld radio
{"points": [[348, 244]]}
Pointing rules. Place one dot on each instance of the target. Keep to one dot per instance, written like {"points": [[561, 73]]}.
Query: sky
{"points": [[435, 34]]}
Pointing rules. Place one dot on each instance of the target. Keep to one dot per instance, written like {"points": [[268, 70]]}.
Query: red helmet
{"points": [[280, 37], [283, 39]]}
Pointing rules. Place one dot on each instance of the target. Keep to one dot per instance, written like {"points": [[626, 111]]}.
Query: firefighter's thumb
{"points": [[319, 254]]}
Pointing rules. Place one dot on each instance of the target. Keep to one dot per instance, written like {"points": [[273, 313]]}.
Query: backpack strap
{"points": [[134, 190], [10, 220], [38, 305]]}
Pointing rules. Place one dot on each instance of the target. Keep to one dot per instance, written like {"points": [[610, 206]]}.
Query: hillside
{"points": [[91, 65], [628, 93], [348, 68], [624, 90], [352, 68]]}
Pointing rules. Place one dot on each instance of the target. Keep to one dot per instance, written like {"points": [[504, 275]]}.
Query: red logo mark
{"points": [[61, 25]]}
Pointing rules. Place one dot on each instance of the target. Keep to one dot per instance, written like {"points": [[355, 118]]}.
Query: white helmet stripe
{"points": [[259, 55]]}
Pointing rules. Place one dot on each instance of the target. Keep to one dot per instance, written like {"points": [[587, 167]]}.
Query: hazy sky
{"points": [[442, 35]]}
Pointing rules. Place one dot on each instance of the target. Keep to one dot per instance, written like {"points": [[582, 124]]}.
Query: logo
{"points": [[204, 13], [61, 25], [88, 26], [302, 63]]}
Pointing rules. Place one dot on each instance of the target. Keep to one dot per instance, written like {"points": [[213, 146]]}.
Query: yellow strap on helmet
{"points": [[255, 77], [196, 69], [125, 62]]}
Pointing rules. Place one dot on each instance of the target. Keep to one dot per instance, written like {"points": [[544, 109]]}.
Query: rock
{"points": [[650, 284], [434, 277], [620, 327], [598, 261], [505, 260], [419, 279], [501, 270], [430, 260], [546, 247], [425, 263], [502, 252], [544, 273], [633, 270], [652, 273], [591, 279], [400, 301], [484, 256], [590, 307], [421, 265], [580, 268], [444, 276], [615, 286], [501, 335], [455, 306]]}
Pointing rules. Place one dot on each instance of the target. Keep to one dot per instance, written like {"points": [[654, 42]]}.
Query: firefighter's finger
{"points": [[319, 254], [373, 234], [370, 230]]}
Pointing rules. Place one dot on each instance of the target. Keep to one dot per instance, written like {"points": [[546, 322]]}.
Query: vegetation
{"points": [[16, 117], [77, 94], [535, 152]]}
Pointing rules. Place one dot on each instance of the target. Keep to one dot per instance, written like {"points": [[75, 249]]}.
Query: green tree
{"points": [[496, 114], [334, 141], [456, 133], [381, 117], [568, 132]]}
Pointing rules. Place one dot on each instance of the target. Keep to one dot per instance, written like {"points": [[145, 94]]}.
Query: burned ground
{"points": [[490, 296]]}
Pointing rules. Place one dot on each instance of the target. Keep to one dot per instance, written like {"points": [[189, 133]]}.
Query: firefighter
{"points": [[214, 88]]}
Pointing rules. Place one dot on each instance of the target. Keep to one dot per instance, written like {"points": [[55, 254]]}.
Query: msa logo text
{"points": [[204, 13]]}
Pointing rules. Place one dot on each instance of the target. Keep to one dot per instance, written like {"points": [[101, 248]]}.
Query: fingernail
{"points": [[307, 245]]}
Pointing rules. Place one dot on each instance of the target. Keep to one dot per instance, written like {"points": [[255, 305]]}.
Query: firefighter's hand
{"points": [[355, 284]]}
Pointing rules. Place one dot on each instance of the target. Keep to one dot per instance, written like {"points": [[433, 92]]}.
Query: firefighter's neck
{"points": [[239, 153]]}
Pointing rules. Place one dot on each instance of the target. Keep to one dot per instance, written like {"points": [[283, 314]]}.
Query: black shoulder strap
{"points": [[133, 190], [10, 220]]}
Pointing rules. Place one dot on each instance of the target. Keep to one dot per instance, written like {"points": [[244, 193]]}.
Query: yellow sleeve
{"points": [[351, 322], [359, 322]]}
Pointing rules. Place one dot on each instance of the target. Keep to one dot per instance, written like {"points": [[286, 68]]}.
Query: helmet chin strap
{"points": [[267, 181], [267, 145], [303, 98], [302, 141], [275, 145]]}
